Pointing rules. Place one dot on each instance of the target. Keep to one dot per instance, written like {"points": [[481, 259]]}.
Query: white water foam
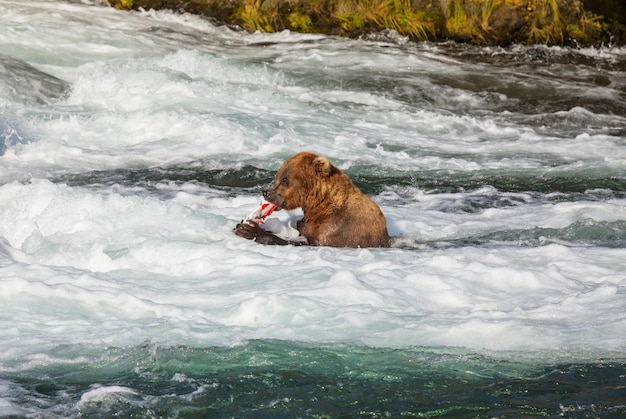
{"points": [[101, 394], [116, 268], [118, 265]]}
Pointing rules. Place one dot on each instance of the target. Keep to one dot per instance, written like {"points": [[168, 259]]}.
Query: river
{"points": [[133, 142]]}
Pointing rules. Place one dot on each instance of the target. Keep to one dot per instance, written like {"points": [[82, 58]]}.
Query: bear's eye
{"points": [[285, 181]]}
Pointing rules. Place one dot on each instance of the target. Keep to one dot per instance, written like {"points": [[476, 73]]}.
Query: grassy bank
{"points": [[552, 22]]}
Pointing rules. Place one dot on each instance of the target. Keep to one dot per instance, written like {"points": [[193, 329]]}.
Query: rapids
{"points": [[131, 143]]}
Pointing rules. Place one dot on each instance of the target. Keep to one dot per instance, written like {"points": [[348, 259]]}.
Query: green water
{"points": [[286, 379]]}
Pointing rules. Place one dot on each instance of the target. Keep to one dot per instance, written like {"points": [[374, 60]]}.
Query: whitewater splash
{"points": [[132, 144]]}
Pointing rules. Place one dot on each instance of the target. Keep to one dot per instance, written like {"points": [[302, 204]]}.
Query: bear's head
{"points": [[297, 178]]}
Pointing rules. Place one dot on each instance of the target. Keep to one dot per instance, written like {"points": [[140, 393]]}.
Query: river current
{"points": [[131, 143]]}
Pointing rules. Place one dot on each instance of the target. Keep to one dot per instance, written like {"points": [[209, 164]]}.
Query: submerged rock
{"points": [[28, 84]]}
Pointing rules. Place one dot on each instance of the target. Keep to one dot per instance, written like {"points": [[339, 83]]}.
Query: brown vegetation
{"points": [[552, 22]]}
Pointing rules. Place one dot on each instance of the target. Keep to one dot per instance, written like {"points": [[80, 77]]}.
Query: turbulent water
{"points": [[133, 142]]}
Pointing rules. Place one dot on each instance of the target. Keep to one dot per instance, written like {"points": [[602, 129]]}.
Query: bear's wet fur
{"points": [[336, 212]]}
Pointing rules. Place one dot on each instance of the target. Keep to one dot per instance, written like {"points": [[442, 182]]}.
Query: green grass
{"points": [[546, 24], [554, 22]]}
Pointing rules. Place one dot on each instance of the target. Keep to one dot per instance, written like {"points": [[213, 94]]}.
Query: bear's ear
{"points": [[322, 166]]}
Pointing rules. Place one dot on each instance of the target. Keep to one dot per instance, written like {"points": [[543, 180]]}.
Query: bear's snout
{"points": [[272, 197]]}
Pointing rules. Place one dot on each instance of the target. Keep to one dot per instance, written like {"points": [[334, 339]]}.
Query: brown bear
{"points": [[336, 213]]}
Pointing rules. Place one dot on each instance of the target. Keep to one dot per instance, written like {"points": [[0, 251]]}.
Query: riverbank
{"points": [[489, 22]]}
